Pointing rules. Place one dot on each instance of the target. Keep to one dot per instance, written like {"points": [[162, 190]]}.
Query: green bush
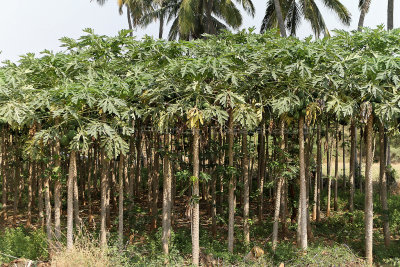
{"points": [[22, 243]]}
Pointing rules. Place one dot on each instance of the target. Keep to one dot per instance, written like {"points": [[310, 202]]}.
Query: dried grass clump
{"points": [[85, 252]]}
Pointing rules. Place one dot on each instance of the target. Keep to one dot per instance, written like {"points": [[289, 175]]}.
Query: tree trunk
{"points": [[390, 15], [369, 191], [76, 202], [344, 160], [128, 15], [5, 172], [279, 16], [167, 184], [246, 192], [232, 204], [318, 178], [328, 169], [352, 167], [278, 187], [261, 168], [39, 175], [335, 198], [364, 11], [47, 205], [121, 201], [70, 189], [383, 185], [103, 198], [57, 191], [303, 189], [30, 181], [154, 209], [195, 199]]}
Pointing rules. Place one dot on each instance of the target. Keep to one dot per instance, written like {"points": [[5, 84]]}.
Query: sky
{"points": [[33, 26]]}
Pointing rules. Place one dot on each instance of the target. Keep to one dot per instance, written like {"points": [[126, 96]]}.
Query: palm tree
{"points": [[390, 14], [364, 7], [293, 11], [192, 18]]}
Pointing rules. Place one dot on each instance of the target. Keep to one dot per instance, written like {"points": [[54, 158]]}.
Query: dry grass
{"points": [[375, 169], [86, 252]]}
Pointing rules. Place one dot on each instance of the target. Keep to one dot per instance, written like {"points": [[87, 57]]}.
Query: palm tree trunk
{"points": [[5, 172], [128, 15], [232, 204], [70, 189], [390, 15], [364, 11], [369, 191], [279, 16], [195, 199], [383, 185]]}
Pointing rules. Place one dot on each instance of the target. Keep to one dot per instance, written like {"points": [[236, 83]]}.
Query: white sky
{"points": [[35, 25]]}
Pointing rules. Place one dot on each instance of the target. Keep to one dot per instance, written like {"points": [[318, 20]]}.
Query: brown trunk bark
{"points": [[246, 189], [70, 198], [195, 199], [121, 201], [352, 167], [103, 198], [303, 189], [335, 198], [167, 196], [278, 187], [232, 204], [383, 185], [369, 191]]}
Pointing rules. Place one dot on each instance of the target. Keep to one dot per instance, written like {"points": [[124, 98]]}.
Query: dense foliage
{"points": [[123, 105]]}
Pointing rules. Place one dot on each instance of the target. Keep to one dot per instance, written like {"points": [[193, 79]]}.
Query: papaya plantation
{"points": [[232, 149]]}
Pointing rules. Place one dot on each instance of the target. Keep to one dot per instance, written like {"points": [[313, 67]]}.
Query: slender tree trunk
{"points": [[5, 175], [121, 201], [195, 199], [335, 198], [30, 181], [246, 192], [390, 14], [261, 168], [344, 160], [47, 204], [17, 182], [232, 204], [278, 187], [70, 198], [328, 169], [361, 157], [154, 209], [103, 198], [318, 180], [76, 202], [303, 189], [39, 175], [383, 185], [369, 191], [128, 15], [167, 196], [352, 167], [279, 16], [57, 192], [364, 11]]}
